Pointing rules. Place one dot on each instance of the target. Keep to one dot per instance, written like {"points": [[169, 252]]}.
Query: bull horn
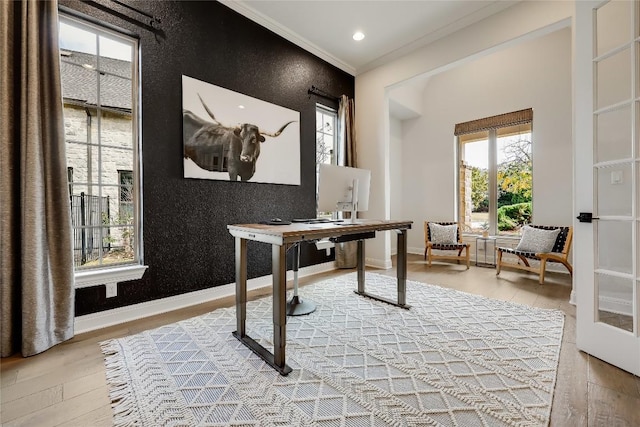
{"points": [[273, 135], [209, 111]]}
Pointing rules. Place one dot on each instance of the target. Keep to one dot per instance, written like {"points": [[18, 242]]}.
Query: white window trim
{"points": [[104, 276]]}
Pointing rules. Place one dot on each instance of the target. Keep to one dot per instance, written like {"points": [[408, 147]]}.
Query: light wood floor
{"points": [[66, 385]]}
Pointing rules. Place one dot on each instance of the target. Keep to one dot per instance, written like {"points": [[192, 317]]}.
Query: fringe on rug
{"points": [[122, 400]]}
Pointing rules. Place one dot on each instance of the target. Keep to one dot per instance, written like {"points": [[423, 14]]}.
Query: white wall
{"points": [[524, 20], [535, 74]]}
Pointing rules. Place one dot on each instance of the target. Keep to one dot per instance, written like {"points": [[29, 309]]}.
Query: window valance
{"points": [[501, 120]]}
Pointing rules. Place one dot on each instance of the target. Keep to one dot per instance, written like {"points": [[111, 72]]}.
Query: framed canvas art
{"points": [[231, 136]]}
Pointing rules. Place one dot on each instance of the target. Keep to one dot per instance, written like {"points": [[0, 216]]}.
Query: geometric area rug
{"points": [[453, 359]]}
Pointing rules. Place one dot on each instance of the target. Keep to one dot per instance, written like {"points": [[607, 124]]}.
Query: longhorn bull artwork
{"points": [[217, 150]]}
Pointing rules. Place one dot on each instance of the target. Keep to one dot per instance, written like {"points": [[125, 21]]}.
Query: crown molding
{"points": [[243, 9]]}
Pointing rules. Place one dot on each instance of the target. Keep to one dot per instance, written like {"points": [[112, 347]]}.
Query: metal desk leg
{"points": [[241, 287], [402, 273], [279, 266], [401, 268], [361, 266], [275, 359]]}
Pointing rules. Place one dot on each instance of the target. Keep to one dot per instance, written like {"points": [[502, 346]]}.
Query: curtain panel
{"points": [[347, 253], [36, 260], [347, 120]]}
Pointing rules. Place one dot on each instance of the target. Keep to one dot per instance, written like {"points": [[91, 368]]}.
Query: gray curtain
{"points": [[347, 119], [346, 253], [36, 270]]}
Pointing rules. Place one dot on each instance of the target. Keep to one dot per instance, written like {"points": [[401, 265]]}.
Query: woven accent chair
{"points": [[459, 246], [559, 253]]}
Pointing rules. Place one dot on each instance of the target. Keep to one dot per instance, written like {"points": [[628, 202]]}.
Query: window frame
{"points": [[493, 134], [111, 274]]}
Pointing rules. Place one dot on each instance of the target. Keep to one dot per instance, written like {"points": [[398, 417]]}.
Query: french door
{"points": [[607, 180]]}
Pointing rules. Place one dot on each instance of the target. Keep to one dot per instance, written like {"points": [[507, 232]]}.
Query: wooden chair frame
{"points": [[559, 253], [429, 246]]}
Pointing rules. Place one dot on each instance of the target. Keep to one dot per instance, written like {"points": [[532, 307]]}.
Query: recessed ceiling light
{"points": [[358, 36], [241, 107]]}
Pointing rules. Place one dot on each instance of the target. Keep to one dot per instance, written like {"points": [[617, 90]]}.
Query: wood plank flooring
{"points": [[66, 385]]}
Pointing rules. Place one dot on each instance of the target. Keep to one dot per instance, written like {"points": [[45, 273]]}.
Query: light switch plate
{"points": [[112, 290], [616, 177]]}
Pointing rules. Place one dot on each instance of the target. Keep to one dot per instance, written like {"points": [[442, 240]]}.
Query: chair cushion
{"points": [[443, 234], [537, 240]]}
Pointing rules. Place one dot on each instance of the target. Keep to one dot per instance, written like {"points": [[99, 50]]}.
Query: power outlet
{"points": [[112, 290]]}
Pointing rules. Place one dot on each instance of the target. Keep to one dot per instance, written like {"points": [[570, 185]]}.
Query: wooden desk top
{"points": [[297, 232]]}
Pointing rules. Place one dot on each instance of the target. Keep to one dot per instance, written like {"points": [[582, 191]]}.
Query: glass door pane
{"points": [[613, 75], [613, 26], [613, 134], [615, 185], [615, 250], [615, 301]]}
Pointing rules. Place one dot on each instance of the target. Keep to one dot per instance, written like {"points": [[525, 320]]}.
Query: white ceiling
{"points": [[392, 28]]}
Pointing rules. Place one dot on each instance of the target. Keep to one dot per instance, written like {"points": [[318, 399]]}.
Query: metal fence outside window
{"points": [[89, 215]]}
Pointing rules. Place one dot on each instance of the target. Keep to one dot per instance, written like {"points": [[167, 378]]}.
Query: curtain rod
{"points": [[137, 11], [148, 22], [319, 92]]}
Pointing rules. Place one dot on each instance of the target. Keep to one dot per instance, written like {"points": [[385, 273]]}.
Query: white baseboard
{"points": [[415, 251], [572, 297], [103, 319], [378, 263]]}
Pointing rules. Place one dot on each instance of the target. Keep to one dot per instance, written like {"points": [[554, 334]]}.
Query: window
{"points": [[495, 173], [99, 89], [326, 141]]}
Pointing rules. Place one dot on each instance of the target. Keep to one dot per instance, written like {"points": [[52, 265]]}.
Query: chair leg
{"points": [[566, 264], [429, 256], [499, 263], [543, 268], [524, 260], [425, 252], [467, 251]]}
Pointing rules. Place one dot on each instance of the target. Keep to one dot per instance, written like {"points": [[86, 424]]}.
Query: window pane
{"points": [[75, 39], [112, 53], [514, 180], [474, 185], [115, 92], [116, 131]]}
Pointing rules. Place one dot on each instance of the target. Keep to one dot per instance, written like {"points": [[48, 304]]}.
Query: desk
{"points": [[281, 237]]}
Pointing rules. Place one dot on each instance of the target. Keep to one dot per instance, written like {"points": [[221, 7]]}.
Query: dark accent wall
{"points": [[186, 243]]}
